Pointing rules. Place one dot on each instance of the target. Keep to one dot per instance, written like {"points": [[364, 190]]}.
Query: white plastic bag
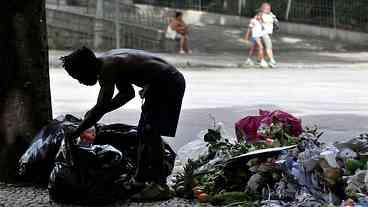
{"points": [[170, 33]]}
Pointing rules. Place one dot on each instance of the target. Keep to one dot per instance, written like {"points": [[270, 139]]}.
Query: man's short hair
{"points": [[79, 62]]}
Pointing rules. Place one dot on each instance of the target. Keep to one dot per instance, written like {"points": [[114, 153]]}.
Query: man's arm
{"points": [[96, 113], [126, 93]]}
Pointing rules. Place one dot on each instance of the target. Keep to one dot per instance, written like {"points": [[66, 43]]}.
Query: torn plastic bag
{"points": [[37, 162], [92, 178], [247, 128], [198, 147], [193, 150], [358, 144]]}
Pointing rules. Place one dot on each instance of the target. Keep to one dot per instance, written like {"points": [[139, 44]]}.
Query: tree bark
{"points": [[25, 102]]}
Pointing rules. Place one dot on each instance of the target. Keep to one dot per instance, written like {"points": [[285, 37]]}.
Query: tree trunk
{"points": [[25, 103]]}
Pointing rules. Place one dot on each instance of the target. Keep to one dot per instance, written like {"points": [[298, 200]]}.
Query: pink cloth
{"points": [[248, 126]]}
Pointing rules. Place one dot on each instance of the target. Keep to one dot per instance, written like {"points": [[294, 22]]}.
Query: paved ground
{"points": [[30, 196]]}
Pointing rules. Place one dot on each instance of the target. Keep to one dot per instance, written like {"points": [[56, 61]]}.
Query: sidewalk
{"points": [[22, 196], [222, 47]]}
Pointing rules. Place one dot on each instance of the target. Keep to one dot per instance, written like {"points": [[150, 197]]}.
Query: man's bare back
{"points": [[133, 66]]}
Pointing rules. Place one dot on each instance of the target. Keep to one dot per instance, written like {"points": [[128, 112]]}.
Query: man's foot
{"points": [[181, 52], [189, 52], [263, 64], [153, 192], [249, 62], [272, 63], [128, 185]]}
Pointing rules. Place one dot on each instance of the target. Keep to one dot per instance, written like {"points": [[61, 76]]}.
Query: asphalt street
{"points": [[334, 99]]}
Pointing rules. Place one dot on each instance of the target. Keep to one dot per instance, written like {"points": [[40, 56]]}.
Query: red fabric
{"points": [[249, 125]]}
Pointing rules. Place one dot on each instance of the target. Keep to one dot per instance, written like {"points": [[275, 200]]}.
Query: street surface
{"points": [[334, 99]]}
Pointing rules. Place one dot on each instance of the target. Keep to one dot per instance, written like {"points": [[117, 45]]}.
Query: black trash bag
{"points": [[91, 177], [121, 136], [37, 162], [169, 159], [125, 138]]}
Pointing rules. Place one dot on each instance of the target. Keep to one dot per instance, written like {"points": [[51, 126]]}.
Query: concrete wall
{"points": [[205, 18], [352, 37], [70, 30]]}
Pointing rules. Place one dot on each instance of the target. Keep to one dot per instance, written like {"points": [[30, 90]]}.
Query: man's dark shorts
{"points": [[163, 100]]}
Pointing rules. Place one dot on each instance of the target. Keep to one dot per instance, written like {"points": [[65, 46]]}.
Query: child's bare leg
{"points": [[186, 44], [260, 49], [251, 50], [262, 63], [182, 43], [268, 44], [270, 54]]}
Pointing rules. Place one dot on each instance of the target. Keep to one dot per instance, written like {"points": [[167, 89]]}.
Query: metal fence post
{"points": [[240, 5], [334, 14], [334, 18], [117, 23], [98, 30], [288, 10]]}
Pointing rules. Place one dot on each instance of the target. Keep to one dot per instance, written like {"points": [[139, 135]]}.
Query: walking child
{"points": [[254, 34]]}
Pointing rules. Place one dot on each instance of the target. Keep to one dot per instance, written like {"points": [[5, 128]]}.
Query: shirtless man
{"points": [[163, 89]]}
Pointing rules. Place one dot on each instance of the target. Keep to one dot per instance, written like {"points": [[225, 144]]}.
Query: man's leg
{"points": [[150, 155], [150, 165]]}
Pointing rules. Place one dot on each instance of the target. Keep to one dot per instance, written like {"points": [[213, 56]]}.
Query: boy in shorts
{"points": [[268, 22]]}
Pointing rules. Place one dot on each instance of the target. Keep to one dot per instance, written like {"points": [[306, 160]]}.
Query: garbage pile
{"points": [[274, 162], [95, 170]]}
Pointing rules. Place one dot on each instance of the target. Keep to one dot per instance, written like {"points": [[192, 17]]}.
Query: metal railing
{"points": [[126, 12], [344, 14], [103, 24]]}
